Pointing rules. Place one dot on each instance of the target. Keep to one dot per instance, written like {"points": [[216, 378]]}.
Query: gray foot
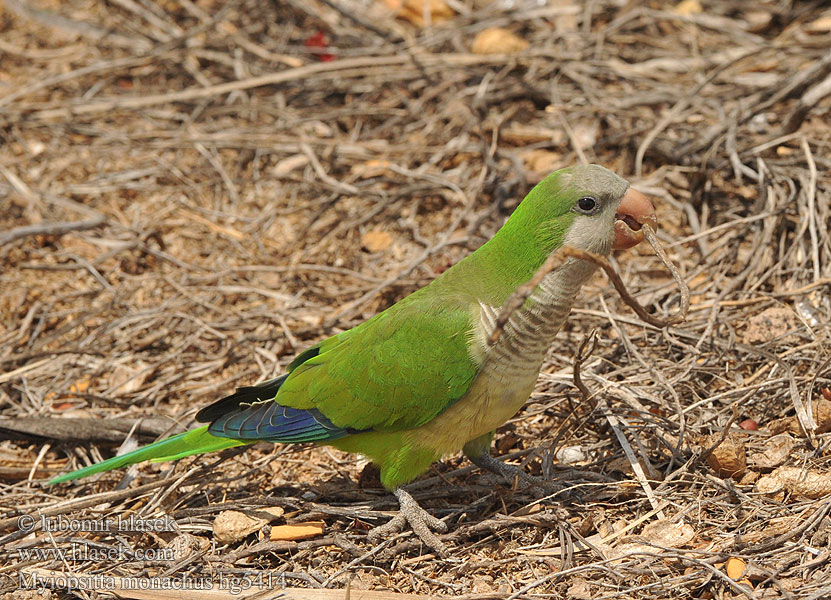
{"points": [[419, 519], [512, 474]]}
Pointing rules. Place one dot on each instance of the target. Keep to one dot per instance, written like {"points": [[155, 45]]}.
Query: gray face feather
{"points": [[595, 233], [597, 180]]}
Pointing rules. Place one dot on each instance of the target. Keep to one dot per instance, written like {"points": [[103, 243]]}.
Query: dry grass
{"points": [[190, 196]]}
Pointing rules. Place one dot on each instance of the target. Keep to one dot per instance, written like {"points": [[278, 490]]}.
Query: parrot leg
{"points": [[419, 519], [512, 473]]}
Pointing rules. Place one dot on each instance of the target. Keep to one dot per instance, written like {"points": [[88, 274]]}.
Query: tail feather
{"points": [[196, 441]]}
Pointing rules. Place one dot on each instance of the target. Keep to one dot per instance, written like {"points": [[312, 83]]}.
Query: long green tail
{"points": [[196, 441]]}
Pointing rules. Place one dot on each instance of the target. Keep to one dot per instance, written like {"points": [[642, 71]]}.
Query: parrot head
{"points": [[591, 208]]}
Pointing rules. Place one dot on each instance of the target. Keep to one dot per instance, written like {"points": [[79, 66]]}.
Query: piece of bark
{"points": [[82, 429]]}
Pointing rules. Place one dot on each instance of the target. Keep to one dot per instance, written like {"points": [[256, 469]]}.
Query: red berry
{"points": [[749, 425]]}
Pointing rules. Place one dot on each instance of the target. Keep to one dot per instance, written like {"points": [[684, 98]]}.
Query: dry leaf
{"points": [[729, 458], [688, 7], [80, 386], [495, 40], [569, 455], [777, 450], [820, 410], [586, 526], [580, 590], [528, 509], [232, 525], [735, 567], [542, 162], [414, 11], [481, 585], [668, 534], [128, 379], [297, 531], [749, 478], [376, 241], [287, 165], [810, 484]]}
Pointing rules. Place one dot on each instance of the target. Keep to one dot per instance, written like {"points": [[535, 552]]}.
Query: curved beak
{"points": [[634, 211]]}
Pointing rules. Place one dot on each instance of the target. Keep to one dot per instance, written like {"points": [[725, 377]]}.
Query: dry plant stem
{"points": [[616, 424], [678, 109], [803, 414], [626, 296], [48, 229], [92, 32], [587, 345], [350, 67], [807, 524], [76, 504], [805, 104], [725, 431], [684, 290]]}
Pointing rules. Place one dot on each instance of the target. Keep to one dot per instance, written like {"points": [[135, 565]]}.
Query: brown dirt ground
{"points": [[233, 197]]}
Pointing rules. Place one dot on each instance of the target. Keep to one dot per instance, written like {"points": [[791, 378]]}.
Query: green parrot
{"points": [[419, 380]]}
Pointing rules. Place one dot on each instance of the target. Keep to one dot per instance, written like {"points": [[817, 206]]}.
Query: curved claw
{"points": [[419, 520]]}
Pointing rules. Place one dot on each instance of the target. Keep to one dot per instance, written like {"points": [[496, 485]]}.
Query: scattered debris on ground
{"points": [[194, 191]]}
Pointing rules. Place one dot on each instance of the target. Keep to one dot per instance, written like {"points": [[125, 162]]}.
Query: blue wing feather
{"points": [[251, 414], [268, 421]]}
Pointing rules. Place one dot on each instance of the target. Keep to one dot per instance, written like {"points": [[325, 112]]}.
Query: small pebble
{"points": [[569, 455]]}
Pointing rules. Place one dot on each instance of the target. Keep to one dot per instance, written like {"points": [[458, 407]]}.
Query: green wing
{"points": [[396, 371]]}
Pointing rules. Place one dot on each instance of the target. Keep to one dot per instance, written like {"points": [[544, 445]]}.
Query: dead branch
{"points": [[55, 228]]}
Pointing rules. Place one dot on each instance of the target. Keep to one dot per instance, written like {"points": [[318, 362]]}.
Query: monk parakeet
{"points": [[419, 380]]}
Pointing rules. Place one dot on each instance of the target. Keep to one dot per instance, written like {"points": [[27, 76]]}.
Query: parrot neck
{"points": [[509, 259], [531, 329]]}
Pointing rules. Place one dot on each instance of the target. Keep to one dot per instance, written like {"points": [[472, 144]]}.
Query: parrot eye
{"points": [[587, 205]]}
